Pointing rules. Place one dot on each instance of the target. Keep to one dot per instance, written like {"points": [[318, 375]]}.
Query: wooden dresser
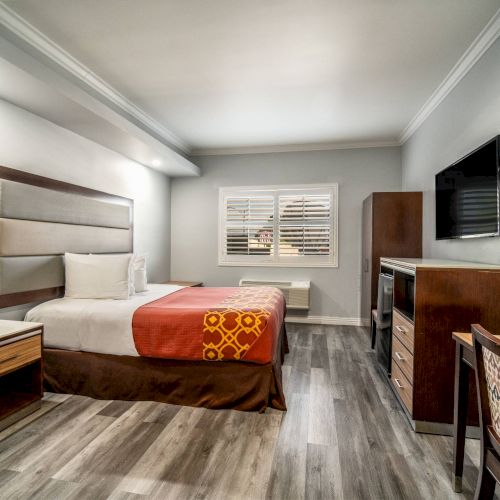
{"points": [[433, 298], [391, 227], [21, 389]]}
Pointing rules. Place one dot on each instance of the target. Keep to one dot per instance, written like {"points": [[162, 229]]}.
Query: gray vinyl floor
{"points": [[344, 436]]}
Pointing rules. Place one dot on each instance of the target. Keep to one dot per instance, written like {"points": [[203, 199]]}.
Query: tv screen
{"points": [[467, 195]]}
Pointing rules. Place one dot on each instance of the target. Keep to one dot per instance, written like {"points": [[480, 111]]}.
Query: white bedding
{"points": [[94, 325]]}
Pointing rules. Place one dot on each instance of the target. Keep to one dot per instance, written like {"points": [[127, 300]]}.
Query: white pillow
{"points": [[139, 273], [98, 276]]}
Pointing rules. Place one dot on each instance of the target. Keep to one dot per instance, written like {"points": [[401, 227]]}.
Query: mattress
{"points": [[94, 325], [170, 322]]}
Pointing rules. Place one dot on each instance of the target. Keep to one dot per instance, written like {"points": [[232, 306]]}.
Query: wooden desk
{"points": [[464, 362]]}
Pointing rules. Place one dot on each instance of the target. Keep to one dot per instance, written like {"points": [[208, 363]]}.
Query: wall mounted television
{"points": [[467, 195]]}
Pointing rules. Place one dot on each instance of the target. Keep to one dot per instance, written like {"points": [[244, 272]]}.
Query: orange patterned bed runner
{"points": [[211, 324], [234, 325]]}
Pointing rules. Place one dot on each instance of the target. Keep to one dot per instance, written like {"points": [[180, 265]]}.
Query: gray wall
{"points": [[358, 172], [469, 116], [35, 145]]}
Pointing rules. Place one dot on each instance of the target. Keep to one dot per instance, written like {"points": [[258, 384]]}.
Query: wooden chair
{"points": [[487, 355]]}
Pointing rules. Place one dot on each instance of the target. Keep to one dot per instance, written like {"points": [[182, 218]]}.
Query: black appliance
{"points": [[383, 342], [467, 195]]}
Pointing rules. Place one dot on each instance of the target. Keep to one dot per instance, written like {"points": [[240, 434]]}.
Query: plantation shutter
{"points": [[249, 225], [305, 224], [281, 226]]}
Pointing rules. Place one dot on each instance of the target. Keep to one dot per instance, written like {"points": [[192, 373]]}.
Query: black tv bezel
{"points": [[479, 235]]}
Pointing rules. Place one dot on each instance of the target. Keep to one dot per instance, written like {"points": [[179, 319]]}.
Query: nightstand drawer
{"points": [[20, 353]]}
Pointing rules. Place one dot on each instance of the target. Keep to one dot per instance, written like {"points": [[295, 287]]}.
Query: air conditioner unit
{"points": [[296, 292]]}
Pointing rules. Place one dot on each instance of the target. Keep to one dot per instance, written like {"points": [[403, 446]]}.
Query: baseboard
{"points": [[327, 320]]}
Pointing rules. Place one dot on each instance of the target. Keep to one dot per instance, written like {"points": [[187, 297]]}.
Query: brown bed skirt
{"points": [[225, 384]]}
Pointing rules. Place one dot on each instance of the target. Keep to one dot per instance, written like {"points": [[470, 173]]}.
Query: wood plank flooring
{"points": [[344, 436]]}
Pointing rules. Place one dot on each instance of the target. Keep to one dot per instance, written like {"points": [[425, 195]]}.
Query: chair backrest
{"points": [[487, 352]]}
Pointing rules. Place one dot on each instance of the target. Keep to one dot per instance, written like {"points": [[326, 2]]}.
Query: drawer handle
{"points": [[401, 329], [398, 383], [398, 355], [6, 360]]}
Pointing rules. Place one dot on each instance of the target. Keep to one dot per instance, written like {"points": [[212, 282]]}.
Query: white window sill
{"points": [[277, 264]]}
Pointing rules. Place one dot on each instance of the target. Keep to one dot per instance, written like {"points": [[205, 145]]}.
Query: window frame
{"points": [[277, 260]]}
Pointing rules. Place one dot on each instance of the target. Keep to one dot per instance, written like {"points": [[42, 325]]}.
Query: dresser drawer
{"points": [[403, 358], [20, 353], [403, 329], [402, 386]]}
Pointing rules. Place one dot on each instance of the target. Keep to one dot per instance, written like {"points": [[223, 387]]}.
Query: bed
{"points": [[211, 347], [163, 345]]}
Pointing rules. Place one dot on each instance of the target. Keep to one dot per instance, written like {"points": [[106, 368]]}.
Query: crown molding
{"points": [[479, 46], [56, 54], [62, 59], [289, 148]]}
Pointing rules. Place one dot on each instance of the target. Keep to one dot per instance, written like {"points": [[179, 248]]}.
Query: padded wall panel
{"points": [[24, 201], [25, 237], [21, 274]]}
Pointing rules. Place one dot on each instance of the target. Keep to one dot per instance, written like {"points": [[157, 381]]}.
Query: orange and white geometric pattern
{"points": [[492, 372], [233, 325]]}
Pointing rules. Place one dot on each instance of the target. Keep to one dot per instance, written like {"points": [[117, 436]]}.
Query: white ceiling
{"points": [[239, 73]]}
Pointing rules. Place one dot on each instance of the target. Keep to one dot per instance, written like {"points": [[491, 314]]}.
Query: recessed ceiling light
{"points": [[156, 162]]}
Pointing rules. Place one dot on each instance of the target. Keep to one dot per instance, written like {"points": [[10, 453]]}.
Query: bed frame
{"points": [[40, 219], [219, 384]]}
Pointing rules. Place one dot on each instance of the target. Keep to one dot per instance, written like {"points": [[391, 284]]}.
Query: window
{"points": [[278, 226]]}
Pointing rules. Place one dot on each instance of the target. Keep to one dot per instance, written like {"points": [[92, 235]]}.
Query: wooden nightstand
{"points": [[21, 388], [184, 283]]}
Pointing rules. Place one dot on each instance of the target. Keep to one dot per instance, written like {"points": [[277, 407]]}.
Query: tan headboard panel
{"points": [[48, 205], [40, 219], [17, 274], [27, 237]]}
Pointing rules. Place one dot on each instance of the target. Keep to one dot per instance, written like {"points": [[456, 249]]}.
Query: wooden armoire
{"points": [[391, 227]]}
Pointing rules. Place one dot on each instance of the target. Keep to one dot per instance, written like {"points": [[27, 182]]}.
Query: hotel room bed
{"points": [[211, 347], [182, 346]]}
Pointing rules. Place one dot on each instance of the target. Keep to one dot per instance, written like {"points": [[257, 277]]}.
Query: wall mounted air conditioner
{"points": [[296, 292]]}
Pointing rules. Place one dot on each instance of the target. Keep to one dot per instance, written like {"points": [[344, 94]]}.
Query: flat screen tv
{"points": [[467, 195]]}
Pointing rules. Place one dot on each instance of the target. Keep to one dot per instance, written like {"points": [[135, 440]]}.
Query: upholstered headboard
{"points": [[40, 219]]}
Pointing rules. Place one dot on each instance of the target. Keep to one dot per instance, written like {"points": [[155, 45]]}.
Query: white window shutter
{"points": [[249, 225], [278, 225], [305, 224]]}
